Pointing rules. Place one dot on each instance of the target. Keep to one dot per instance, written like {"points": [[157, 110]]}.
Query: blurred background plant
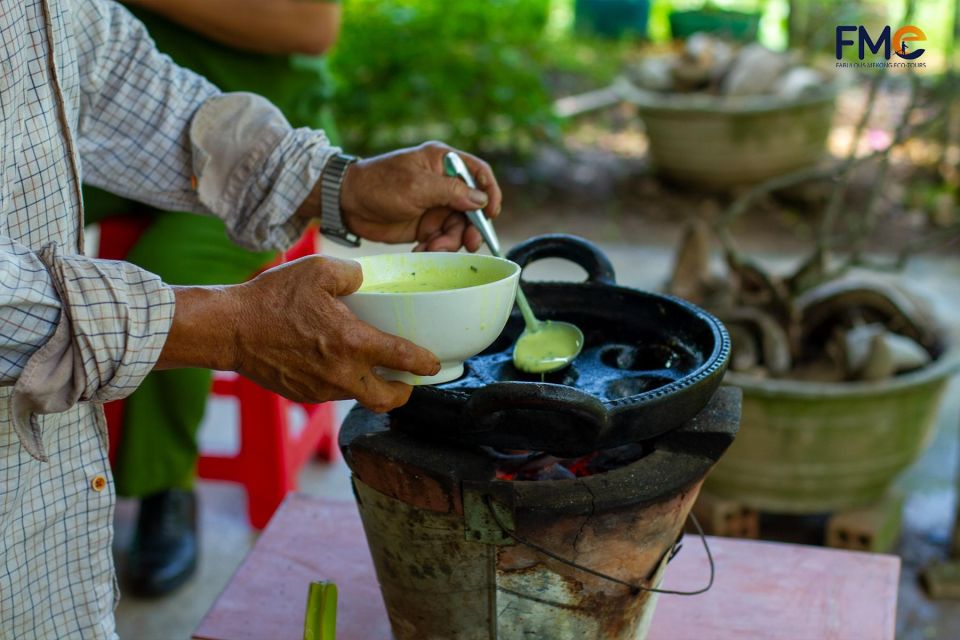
{"points": [[485, 75], [466, 72], [481, 75]]}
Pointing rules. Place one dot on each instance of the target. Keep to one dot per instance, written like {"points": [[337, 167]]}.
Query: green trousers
{"points": [[158, 444]]}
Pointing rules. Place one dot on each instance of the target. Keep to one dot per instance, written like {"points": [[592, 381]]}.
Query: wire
{"points": [[633, 587]]}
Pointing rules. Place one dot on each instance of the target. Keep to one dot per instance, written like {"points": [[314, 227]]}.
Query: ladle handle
{"points": [[455, 167], [529, 318]]}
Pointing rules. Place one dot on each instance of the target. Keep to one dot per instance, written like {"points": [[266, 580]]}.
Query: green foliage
{"points": [[470, 73]]}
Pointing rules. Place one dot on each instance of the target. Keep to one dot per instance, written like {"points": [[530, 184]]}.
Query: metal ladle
{"points": [[544, 345]]}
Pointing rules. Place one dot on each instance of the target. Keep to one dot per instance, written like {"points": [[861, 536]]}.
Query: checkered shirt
{"points": [[83, 88]]}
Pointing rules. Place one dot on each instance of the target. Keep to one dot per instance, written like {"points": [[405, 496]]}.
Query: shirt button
{"points": [[99, 483]]}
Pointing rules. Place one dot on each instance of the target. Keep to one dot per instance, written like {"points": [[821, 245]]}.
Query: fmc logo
{"points": [[898, 44]]}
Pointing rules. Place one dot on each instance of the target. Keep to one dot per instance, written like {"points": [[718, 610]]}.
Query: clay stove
{"points": [[500, 507], [466, 550]]}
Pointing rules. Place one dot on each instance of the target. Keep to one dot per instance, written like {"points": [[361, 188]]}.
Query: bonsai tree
{"points": [[813, 322]]}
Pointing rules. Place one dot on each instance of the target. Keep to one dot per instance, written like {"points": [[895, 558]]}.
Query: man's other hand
{"points": [[405, 196], [287, 331]]}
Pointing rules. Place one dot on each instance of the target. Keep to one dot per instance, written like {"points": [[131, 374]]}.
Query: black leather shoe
{"points": [[164, 551]]}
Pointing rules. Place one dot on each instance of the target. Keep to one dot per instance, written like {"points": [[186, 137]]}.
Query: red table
{"points": [[763, 590]]}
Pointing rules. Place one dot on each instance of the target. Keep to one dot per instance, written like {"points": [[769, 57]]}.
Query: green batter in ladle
{"points": [[544, 345]]}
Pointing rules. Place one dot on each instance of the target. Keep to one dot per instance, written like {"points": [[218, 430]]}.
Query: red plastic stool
{"points": [[270, 455]]}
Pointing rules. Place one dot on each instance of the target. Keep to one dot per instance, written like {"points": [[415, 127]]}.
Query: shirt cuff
{"points": [[114, 321], [253, 170]]}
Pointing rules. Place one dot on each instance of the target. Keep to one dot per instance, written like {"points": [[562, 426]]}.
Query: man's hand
{"points": [[287, 331], [404, 196]]}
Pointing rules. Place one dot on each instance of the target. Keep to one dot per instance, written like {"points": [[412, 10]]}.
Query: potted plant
{"points": [[841, 374], [719, 116]]}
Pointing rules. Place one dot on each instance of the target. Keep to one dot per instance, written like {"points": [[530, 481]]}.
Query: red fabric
{"points": [[270, 456], [118, 235]]}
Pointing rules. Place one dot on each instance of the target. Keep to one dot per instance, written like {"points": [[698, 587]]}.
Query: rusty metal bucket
{"points": [[437, 585], [461, 556]]}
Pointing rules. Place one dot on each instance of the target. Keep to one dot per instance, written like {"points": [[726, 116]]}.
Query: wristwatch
{"points": [[331, 217]]}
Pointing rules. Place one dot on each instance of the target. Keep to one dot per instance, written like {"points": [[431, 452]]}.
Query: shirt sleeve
{"points": [[74, 329], [152, 131], [29, 308]]}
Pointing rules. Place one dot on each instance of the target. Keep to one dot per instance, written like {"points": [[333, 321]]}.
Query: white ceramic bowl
{"points": [[454, 304]]}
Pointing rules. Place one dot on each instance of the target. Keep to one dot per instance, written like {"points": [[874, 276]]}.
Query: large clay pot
{"points": [[807, 447], [718, 142]]}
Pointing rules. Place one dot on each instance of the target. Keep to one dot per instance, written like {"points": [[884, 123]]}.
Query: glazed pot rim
{"points": [[680, 104], [945, 366]]}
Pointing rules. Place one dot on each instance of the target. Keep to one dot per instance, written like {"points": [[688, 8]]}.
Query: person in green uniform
{"points": [[272, 49]]}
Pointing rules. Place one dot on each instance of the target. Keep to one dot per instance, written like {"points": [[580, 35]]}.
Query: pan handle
{"points": [[559, 245], [512, 396]]}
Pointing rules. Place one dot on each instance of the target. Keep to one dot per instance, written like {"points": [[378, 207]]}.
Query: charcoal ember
{"points": [[606, 459], [514, 464], [581, 466], [536, 465], [552, 471]]}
